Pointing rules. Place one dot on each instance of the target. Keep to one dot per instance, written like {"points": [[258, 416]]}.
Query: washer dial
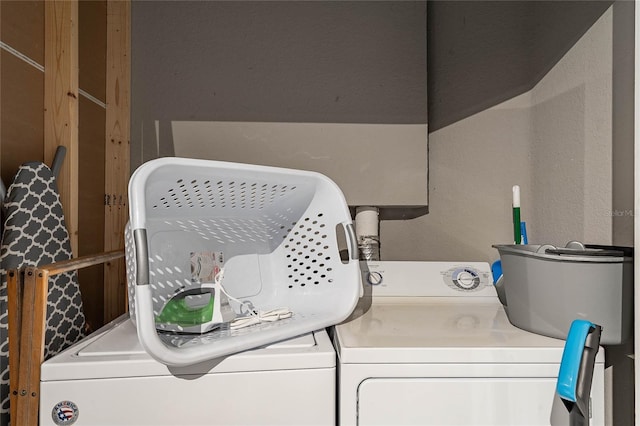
{"points": [[463, 279]]}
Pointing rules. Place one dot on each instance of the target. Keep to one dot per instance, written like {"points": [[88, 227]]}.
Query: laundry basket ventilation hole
{"points": [[308, 251], [221, 194]]}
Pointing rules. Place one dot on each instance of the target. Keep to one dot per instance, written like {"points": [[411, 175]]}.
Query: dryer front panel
{"points": [[458, 401]]}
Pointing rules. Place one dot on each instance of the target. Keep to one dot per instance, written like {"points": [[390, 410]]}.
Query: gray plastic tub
{"points": [[546, 288]]}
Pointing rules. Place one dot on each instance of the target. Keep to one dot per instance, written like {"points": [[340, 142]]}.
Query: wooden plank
{"points": [[61, 103], [34, 309], [81, 262], [26, 348], [14, 299], [117, 150], [37, 333]]}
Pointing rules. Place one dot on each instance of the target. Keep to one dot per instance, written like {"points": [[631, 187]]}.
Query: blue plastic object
{"points": [[496, 270], [571, 356], [523, 233]]}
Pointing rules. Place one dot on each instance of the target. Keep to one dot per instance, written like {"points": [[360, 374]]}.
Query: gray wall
{"points": [[275, 61], [482, 53], [621, 366], [623, 83]]}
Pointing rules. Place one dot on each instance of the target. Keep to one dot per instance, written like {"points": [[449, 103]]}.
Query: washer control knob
{"points": [[465, 278], [374, 278]]}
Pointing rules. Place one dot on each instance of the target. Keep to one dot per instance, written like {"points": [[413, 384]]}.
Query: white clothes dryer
{"points": [[430, 344], [108, 379]]}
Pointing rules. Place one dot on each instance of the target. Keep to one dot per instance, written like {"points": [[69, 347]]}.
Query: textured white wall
{"points": [[374, 164], [571, 145], [554, 141]]}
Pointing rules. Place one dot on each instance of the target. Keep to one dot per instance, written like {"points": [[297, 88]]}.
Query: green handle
{"points": [[517, 235]]}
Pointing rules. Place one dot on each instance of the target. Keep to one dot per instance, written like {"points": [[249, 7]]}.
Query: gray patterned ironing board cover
{"points": [[34, 234]]}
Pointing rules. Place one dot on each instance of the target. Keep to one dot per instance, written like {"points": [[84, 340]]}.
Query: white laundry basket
{"points": [[276, 231]]}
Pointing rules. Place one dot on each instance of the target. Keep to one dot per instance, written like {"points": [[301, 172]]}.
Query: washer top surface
{"points": [[454, 326], [114, 351]]}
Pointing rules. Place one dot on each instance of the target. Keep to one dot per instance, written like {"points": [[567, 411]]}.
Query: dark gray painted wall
{"points": [[277, 61], [349, 61], [623, 190], [352, 62], [622, 121], [482, 53]]}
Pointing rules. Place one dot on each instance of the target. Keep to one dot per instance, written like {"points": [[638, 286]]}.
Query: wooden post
{"points": [[32, 333], [61, 102], [117, 151], [14, 305]]}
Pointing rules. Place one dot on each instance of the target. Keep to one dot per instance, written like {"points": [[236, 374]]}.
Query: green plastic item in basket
{"points": [[188, 312], [177, 311]]}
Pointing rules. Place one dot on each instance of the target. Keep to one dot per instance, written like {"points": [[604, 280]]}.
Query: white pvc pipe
{"points": [[367, 232]]}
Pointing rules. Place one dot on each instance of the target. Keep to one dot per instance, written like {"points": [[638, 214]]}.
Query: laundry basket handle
{"points": [[352, 241], [142, 256]]}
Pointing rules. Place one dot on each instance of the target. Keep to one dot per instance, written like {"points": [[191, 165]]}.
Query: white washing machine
{"points": [[430, 344], [108, 379]]}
